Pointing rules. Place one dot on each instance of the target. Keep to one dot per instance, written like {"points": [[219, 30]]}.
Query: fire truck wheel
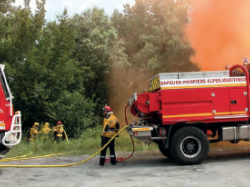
{"points": [[164, 151], [189, 146], [237, 141], [3, 149]]}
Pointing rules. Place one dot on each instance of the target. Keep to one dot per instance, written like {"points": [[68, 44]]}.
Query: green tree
{"points": [[19, 31], [153, 34], [97, 49], [5, 6], [65, 80], [40, 58], [76, 112]]}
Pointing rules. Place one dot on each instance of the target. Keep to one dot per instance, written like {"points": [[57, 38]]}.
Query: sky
{"points": [[56, 7]]}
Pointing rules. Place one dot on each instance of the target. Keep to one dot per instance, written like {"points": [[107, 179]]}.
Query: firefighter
{"points": [[246, 64], [239, 71], [59, 132], [110, 128], [34, 131], [46, 131]]}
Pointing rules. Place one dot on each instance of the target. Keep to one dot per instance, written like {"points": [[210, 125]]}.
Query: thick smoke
{"points": [[122, 84], [219, 32]]}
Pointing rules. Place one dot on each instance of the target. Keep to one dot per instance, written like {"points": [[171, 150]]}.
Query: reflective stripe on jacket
{"points": [[59, 135]]}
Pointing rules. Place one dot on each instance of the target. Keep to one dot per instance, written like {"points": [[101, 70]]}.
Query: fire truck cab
{"points": [[184, 112], [10, 122]]}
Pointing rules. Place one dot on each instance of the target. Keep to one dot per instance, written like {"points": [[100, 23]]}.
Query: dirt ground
{"points": [[227, 165]]}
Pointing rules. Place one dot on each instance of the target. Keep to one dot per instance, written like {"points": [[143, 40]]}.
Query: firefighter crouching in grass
{"points": [[110, 128], [59, 132], [34, 132], [46, 130]]}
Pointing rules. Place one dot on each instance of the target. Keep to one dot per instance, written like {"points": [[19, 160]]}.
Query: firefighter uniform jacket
{"points": [[110, 126], [33, 133], [46, 131], [59, 130]]}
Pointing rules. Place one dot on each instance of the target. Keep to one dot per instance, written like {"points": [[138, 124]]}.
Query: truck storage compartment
{"points": [[186, 104], [143, 133]]}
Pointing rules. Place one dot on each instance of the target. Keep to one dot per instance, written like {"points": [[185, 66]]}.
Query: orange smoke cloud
{"points": [[219, 32], [122, 84]]}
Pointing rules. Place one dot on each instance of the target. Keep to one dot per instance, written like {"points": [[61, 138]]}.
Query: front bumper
{"points": [[13, 137]]}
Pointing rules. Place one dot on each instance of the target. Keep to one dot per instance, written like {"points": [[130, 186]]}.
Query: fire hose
{"points": [[65, 165], [12, 158], [23, 157], [76, 163]]}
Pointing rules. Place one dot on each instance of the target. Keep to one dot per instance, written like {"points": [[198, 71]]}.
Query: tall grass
{"points": [[88, 143]]}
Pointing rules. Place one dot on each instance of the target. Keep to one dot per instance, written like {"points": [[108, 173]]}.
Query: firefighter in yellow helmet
{"points": [[246, 64], [34, 131], [239, 71], [110, 128], [59, 132], [46, 130]]}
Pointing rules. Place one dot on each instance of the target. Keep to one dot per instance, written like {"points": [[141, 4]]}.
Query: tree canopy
{"points": [[68, 69]]}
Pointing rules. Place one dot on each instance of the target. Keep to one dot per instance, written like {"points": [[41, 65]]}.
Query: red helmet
{"points": [[108, 108], [59, 122]]}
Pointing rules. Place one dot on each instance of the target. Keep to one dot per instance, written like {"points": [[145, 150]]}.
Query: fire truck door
{"points": [[238, 101], [6, 110], [3, 101], [221, 102]]}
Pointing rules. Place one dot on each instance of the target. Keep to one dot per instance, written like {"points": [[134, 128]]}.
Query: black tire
{"points": [[189, 146], [164, 151], [3, 149], [234, 142]]}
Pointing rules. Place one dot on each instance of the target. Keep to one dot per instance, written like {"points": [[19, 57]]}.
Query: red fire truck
{"points": [[184, 112], [10, 123]]}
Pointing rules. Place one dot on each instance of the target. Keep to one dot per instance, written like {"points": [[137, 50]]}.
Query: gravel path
{"points": [[225, 166]]}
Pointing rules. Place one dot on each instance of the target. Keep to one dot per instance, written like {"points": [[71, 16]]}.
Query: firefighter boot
{"points": [[102, 161], [113, 160]]}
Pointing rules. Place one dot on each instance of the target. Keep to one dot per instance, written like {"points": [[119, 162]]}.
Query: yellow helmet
{"points": [[36, 123], [46, 124]]}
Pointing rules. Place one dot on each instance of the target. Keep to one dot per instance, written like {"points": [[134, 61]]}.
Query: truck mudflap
{"points": [[142, 133], [13, 137]]}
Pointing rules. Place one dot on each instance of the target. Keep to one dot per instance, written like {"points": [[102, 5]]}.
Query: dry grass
{"points": [[88, 143]]}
